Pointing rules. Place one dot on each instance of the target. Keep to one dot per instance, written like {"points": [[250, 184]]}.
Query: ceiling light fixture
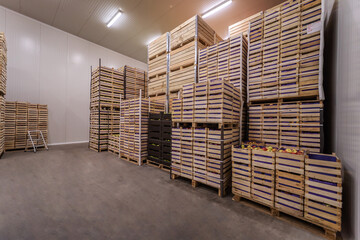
{"points": [[114, 18], [216, 8]]}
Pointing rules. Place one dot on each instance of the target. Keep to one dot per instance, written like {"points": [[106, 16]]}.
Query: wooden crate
{"points": [[323, 190], [311, 125], [241, 171], [290, 125], [114, 143]]}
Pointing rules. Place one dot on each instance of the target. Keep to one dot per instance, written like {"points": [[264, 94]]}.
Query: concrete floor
{"points": [[70, 192]]}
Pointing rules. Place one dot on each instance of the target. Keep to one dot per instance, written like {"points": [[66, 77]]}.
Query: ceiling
{"points": [[142, 21]]}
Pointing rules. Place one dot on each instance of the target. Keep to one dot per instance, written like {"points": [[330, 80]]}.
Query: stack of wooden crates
{"points": [[285, 64], [227, 61], [107, 88], [206, 121], [21, 117], [183, 44], [134, 117], [3, 78]]}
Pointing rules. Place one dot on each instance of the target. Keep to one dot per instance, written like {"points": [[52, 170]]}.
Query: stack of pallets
{"points": [[185, 41], [134, 115], [159, 140], [206, 123], [158, 68], [3, 79], [305, 186], [21, 117], [134, 80], [296, 124]]}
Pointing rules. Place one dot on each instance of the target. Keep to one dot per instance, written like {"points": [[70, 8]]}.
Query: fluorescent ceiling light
{"points": [[216, 8], [114, 18]]}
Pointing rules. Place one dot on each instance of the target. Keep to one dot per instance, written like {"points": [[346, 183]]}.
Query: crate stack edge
{"points": [[3, 80]]}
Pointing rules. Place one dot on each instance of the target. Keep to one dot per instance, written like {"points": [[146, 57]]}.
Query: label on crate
{"points": [[313, 27]]}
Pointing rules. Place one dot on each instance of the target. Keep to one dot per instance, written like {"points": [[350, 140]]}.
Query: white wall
{"points": [[343, 99], [49, 66]]}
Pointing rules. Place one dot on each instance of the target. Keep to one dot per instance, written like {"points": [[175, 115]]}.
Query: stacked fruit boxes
{"points": [[285, 53], [10, 125], [241, 26], [241, 172], [289, 194], [158, 66], [21, 117], [290, 125], [134, 80], [134, 114], [263, 177], [296, 124], [159, 142], [323, 190], [207, 124], [114, 143], [306, 186], [3, 79], [185, 41], [107, 88]]}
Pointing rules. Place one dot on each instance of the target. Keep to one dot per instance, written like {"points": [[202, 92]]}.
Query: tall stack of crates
{"points": [[133, 135], [107, 88], [159, 141], [285, 64], [158, 51], [227, 60], [185, 42], [206, 124], [3, 79], [134, 80]]}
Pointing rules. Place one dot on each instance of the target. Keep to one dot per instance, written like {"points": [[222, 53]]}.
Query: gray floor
{"points": [[70, 192]]}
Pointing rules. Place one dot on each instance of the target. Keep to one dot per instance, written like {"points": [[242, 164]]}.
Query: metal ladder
{"points": [[33, 141]]}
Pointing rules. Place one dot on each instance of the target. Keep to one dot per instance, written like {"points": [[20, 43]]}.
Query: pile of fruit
{"points": [[257, 146]]}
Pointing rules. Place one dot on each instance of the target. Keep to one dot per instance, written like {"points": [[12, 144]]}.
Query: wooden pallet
{"points": [[298, 221], [158, 165]]}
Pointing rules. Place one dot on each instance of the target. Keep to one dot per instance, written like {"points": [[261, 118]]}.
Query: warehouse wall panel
{"points": [[23, 44], [78, 95], [53, 76], [49, 66]]}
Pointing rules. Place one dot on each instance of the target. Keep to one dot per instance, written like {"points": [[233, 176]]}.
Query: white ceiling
{"points": [[142, 21]]}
